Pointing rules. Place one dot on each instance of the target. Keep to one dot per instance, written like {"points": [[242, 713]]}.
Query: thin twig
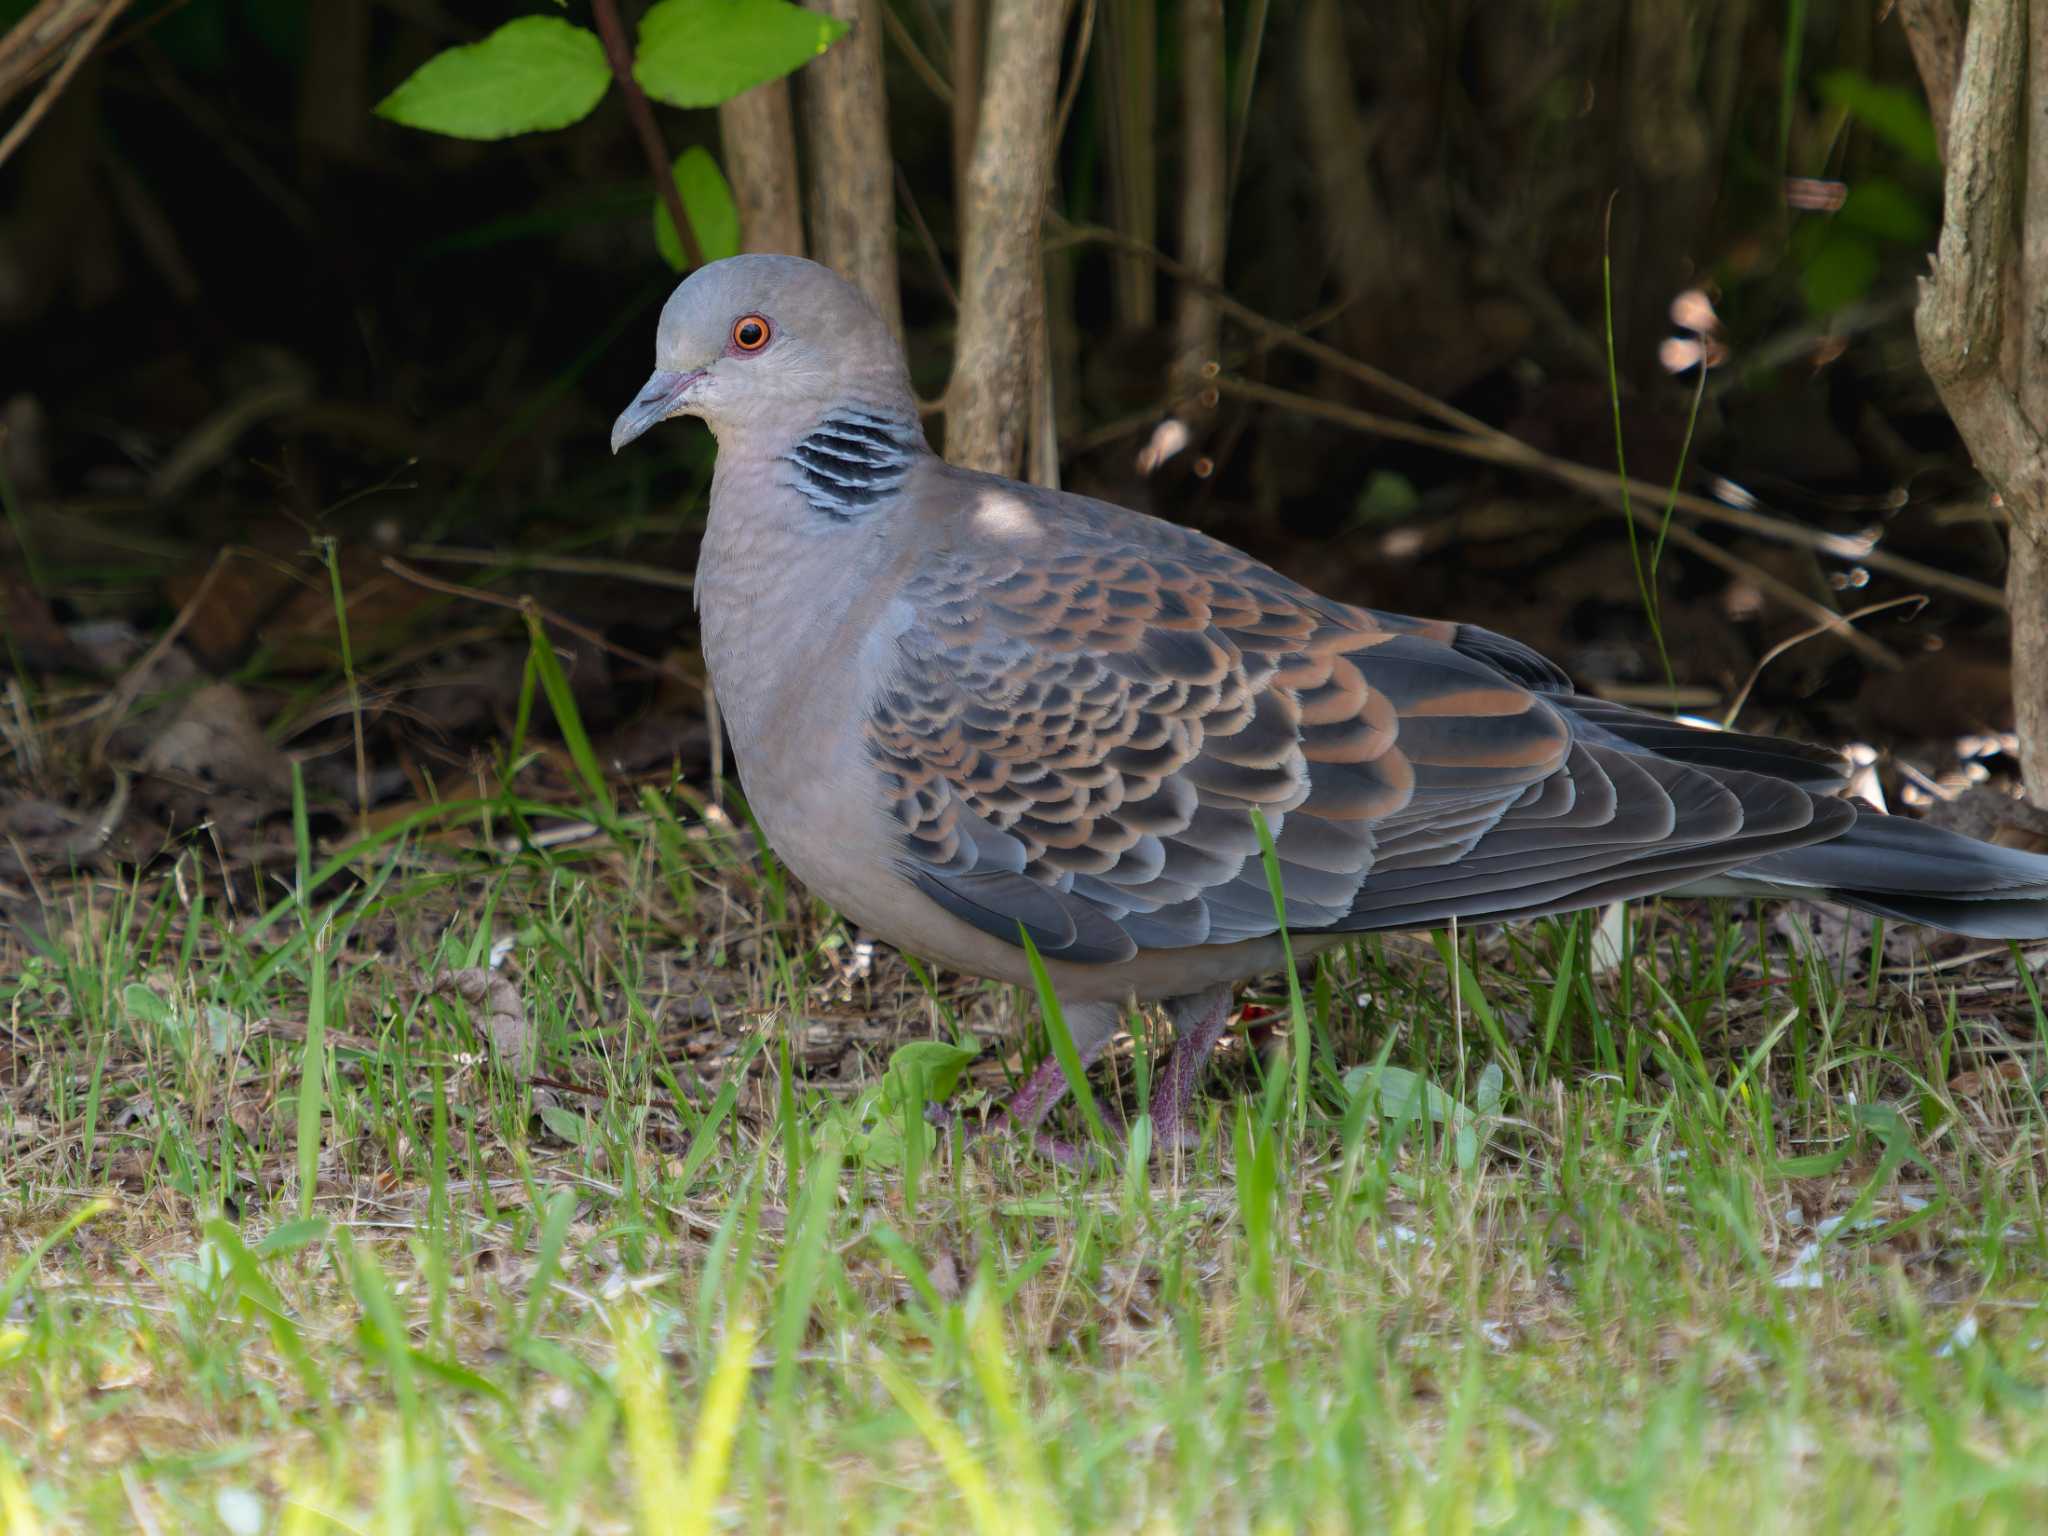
{"points": [[1397, 389], [1497, 447], [908, 198], [547, 616], [1249, 48], [564, 565], [620, 55], [920, 66], [1525, 457], [122, 694], [54, 87], [1478, 439], [1075, 70], [27, 46], [1756, 672], [1781, 591]]}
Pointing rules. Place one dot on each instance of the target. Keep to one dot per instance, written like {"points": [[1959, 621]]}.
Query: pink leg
{"points": [[1092, 1026], [1198, 1023]]}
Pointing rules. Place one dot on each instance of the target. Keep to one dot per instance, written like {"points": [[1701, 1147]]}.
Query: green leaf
{"points": [[1486, 1094], [938, 1063], [1399, 1094], [290, 1237], [1840, 272], [534, 73], [1388, 497], [708, 201], [1883, 208], [566, 1124], [698, 53], [1892, 112], [144, 1006]]}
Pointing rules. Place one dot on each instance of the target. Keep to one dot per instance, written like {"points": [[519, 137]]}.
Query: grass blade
{"points": [[717, 1426], [658, 1477], [1063, 1048]]}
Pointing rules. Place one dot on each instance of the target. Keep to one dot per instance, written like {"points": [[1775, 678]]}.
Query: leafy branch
{"points": [[539, 73]]}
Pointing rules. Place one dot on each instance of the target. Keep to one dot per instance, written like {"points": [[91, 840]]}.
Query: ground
{"points": [[1696, 1225]]}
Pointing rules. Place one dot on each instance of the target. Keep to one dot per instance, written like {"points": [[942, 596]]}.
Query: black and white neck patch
{"points": [[851, 461]]}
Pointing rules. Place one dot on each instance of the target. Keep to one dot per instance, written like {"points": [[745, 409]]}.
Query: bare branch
{"points": [[1962, 322], [2027, 348], [967, 30], [1043, 466], [1647, 498], [987, 402], [1934, 31], [1247, 80], [922, 67], [619, 54], [758, 131], [1077, 68], [1961, 305], [853, 196], [24, 125], [1204, 178], [1362, 244], [1130, 46], [1511, 451]]}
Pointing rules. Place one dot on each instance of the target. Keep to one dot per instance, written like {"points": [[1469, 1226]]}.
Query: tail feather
{"points": [[1905, 869]]}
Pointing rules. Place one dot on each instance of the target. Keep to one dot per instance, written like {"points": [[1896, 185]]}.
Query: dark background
{"points": [[237, 309]]}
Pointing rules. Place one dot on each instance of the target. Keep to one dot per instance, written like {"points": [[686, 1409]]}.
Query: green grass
{"points": [[282, 1249]]}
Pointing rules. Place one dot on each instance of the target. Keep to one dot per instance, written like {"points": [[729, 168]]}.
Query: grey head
{"points": [[769, 345]]}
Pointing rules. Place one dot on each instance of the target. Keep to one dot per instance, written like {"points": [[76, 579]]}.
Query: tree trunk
{"points": [[853, 193], [759, 135], [988, 402], [1979, 311], [1204, 175]]}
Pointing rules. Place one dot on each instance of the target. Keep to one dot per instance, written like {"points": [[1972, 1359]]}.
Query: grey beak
{"points": [[660, 397]]}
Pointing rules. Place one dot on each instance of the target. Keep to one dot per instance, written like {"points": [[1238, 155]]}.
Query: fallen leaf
{"points": [[1968, 1085]]}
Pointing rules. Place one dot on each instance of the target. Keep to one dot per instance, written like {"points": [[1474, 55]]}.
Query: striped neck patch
{"points": [[851, 461]]}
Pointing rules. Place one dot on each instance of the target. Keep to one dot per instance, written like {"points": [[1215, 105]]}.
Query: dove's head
{"points": [[773, 340]]}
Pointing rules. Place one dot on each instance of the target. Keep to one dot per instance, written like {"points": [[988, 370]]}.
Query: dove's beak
{"points": [[663, 395]]}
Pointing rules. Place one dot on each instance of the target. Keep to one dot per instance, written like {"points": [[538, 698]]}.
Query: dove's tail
{"points": [[1901, 868]]}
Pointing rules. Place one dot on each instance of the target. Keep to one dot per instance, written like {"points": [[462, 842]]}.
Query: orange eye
{"points": [[750, 332]]}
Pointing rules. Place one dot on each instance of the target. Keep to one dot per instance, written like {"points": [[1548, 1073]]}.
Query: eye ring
{"points": [[750, 333]]}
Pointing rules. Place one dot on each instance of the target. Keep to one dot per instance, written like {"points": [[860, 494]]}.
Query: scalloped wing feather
{"points": [[1090, 703]]}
